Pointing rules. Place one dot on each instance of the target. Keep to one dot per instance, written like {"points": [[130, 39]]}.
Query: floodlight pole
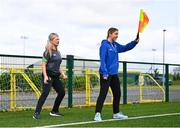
{"points": [[24, 38], [164, 31]]}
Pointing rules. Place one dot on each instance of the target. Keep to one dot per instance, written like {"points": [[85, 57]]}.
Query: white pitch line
{"points": [[108, 120]]}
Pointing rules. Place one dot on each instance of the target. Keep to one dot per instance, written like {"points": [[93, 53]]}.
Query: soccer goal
{"points": [[93, 88], [150, 90]]}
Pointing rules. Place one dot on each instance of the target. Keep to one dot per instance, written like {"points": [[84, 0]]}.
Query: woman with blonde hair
{"points": [[50, 76]]}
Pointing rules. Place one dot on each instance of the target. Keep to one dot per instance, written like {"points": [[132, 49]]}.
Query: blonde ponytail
{"points": [[49, 47]]}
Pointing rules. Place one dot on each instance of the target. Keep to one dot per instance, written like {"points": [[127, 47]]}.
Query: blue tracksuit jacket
{"points": [[109, 56]]}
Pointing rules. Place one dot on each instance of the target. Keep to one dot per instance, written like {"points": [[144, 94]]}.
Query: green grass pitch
{"points": [[24, 118]]}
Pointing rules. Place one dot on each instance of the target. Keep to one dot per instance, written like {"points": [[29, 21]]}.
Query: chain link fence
{"points": [[20, 82]]}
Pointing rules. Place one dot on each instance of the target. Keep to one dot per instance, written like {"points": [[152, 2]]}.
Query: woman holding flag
{"points": [[109, 65]]}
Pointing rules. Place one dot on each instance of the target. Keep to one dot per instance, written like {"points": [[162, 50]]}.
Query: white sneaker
{"points": [[55, 114], [97, 117], [119, 116]]}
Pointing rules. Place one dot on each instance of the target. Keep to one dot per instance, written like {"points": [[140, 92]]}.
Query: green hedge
{"points": [[5, 81], [79, 82]]}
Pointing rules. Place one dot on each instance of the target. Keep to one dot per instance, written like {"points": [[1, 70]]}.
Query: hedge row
{"points": [[79, 82]]}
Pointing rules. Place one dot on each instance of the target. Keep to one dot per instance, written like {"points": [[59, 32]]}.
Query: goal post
{"points": [[150, 90], [92, 89]]}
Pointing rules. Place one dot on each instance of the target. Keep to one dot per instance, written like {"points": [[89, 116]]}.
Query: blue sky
{"points": [[82, 24]]}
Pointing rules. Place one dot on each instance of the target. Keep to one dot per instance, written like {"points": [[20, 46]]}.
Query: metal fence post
{"points": [[88, 101], [70, 66], [124, 82], [167, 83], [12, 89]]}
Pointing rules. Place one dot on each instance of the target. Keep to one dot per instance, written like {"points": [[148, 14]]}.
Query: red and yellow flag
{"points": [[143, 21]]}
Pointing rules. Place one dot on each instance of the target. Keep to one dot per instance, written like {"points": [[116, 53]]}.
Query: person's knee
{"points": [[117, 95], [61, 93], [45, 94], [102, 97]]}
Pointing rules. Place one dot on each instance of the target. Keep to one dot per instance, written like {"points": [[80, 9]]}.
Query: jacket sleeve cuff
{"points": [[105, 75], [135, 42]]}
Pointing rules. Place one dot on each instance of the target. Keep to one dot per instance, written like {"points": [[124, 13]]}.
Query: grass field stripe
{"points": [[108, 120]]}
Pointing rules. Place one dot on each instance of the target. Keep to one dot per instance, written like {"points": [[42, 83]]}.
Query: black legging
{"points": [[58, 87], [114, 83]]}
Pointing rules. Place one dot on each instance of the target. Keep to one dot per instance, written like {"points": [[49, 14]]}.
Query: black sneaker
{"points": [[55, 114], [36, 116]]}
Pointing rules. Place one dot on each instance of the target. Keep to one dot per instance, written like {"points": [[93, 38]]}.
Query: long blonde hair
{"points": [[49, 46]]}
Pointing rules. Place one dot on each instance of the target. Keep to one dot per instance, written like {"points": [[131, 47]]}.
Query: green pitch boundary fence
{"points": [[70, 62]]}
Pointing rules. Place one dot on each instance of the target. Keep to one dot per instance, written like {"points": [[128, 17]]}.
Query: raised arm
{"points": [[127, 47]]}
